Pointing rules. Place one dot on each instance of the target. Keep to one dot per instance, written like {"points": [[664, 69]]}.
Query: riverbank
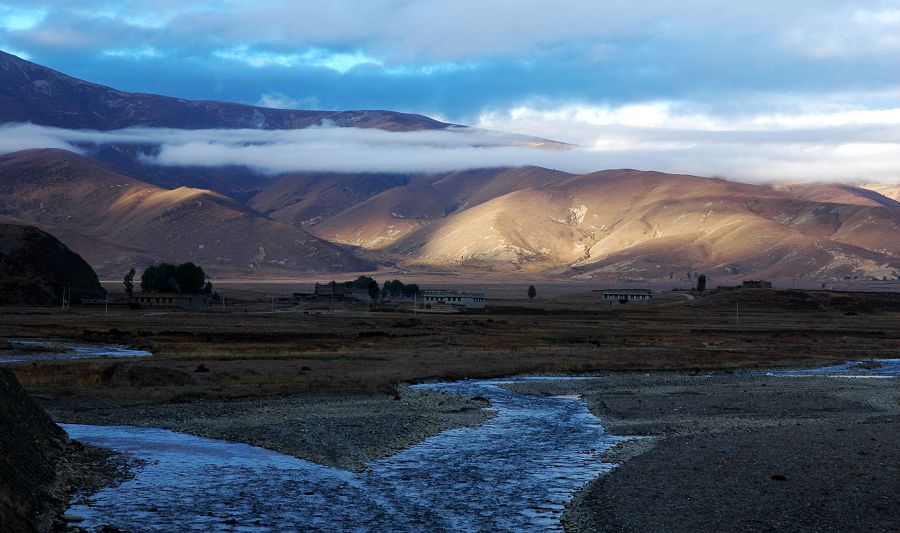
{"points": [[345, 431], [741, 452]]}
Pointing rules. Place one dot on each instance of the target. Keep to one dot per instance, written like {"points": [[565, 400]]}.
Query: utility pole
{"points": [[106, 305], [737, 312]]}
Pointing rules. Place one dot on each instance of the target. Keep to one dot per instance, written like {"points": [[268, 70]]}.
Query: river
{"points": [[515, 472]]}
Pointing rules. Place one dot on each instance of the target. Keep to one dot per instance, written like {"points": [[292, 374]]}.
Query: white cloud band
{"points": [[645, 139]]}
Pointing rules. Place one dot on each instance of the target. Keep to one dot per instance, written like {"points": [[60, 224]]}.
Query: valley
{"points": [[116, 207]]}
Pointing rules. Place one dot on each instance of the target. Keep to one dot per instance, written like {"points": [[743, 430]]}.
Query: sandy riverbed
{"points": [[739, 452], [345, 431]]}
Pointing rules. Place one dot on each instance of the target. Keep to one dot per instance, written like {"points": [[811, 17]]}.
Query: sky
{"points": [[803, 89]]}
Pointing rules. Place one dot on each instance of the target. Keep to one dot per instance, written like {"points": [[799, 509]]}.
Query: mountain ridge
{"points": [[33, 93]]}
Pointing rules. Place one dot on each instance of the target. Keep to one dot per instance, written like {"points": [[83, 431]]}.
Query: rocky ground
{"points": [[741, 452], [345, 431]]}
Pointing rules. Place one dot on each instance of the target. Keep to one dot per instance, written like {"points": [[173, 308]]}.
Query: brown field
{"points": [[253, 347]]}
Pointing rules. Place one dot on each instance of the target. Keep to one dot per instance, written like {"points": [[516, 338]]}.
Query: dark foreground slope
{"points": [[35, 268], [40, 467]]}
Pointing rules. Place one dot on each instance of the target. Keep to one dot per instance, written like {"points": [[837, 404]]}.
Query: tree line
{"points": [[186, 278], [390, 289]]}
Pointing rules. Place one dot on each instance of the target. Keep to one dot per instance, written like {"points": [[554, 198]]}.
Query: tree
{"points": [[373, 290], [701, 282], [185, 278], [395, 288], [532, 292], [129, 282], [190, 278], [410, 290]]}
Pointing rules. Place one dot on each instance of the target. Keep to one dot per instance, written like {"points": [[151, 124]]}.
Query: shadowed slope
{"points": [[837, 193], [36, 269], [891, 191]]}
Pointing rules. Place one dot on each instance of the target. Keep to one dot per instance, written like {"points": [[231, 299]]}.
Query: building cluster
{"points": [[188, 302], [624, 296], [756, 284], [443, 299], [339, 292]]}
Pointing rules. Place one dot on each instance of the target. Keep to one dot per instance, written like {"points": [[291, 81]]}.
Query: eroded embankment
{"points": [[40, 467]]}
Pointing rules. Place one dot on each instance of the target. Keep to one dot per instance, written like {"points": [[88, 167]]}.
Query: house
{"points": [[188, 302], [339, 291], [756, 284], [624, 296], [436, 299]]}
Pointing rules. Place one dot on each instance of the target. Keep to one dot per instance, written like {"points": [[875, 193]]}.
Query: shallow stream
{"points": [[27, 350], [515, 472], [870, 368]]}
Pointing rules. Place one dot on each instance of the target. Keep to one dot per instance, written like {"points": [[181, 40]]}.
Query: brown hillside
{"points": [[651, 224], [307, 199], [392, 214], [112, 213]]}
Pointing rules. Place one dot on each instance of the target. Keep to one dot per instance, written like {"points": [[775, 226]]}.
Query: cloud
{"points": [[277, 100], [14, 18], [311, 57], [460, 57], [852, 152]]}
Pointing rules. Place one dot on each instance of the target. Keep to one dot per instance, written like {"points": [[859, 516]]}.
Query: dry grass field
{"points": [[253, 347]]}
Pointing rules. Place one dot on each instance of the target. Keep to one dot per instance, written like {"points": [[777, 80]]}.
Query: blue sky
{"points": [[609, 74]]}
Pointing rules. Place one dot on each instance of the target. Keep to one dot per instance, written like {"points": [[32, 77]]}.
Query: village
{"points": [[393, 296]]}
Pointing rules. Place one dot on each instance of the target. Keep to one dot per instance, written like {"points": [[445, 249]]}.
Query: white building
{"points": [[190, 302], [624, 296], [435, 299]]}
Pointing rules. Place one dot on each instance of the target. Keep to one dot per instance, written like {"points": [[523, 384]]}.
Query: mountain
{"points": [[649, 224], [603, 224], [36, 268], [116, 221], [36, 94]]}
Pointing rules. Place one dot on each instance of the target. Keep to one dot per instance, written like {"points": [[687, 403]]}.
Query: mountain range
{"points": [[116, 211]]}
